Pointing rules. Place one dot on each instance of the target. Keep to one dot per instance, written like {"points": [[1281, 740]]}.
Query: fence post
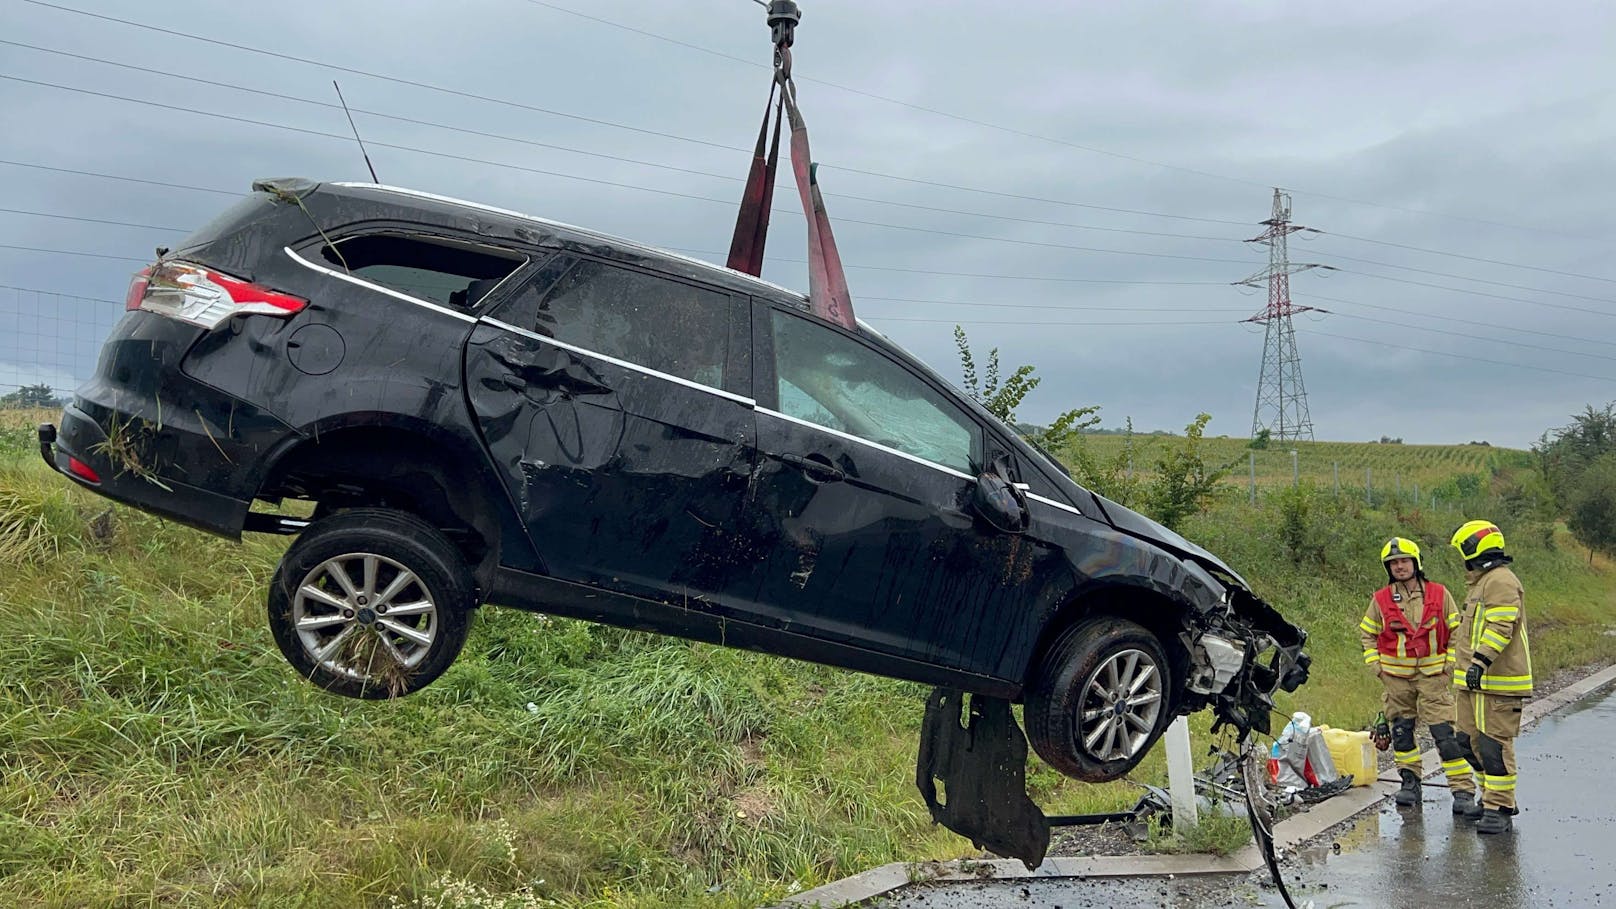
{"points": [[1433, 501], [1130, 468], [1296, 470], [1337, 467], [1398, 485], [1416, 494], [1253, 455], [1181, 776], [1369, 486]]}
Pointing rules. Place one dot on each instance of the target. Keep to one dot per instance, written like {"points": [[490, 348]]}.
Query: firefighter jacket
{"points": [[1405, 632], [1493, 624]]}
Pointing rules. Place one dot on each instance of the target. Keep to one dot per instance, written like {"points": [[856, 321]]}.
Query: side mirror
{"points": [[1000, 503]]}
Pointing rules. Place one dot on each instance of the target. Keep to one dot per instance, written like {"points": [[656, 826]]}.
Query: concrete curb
{"points": [[1288, 833]]}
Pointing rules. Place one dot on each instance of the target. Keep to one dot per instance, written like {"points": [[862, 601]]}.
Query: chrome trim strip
{"points": [[583, 351], [876, 445], [376, 287], [450, 200], [1054, 504]]}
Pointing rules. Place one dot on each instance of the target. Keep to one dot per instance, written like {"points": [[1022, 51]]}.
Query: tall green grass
{"points": [[156, 750]]}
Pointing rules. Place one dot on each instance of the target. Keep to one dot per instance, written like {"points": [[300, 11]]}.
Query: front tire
{"points": [[371, 603], [1099, 699]]}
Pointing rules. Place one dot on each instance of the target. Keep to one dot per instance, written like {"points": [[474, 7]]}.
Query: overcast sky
{"points": [[1482, 129]]}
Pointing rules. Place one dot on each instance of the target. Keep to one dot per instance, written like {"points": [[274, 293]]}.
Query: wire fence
{"points": [[49, 340]]}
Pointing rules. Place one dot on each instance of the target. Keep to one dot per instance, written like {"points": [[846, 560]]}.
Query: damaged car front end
{"points": [[1237, 652]]}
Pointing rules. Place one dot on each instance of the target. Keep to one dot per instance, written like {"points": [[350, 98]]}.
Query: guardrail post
{"points": [[1181, 776]]}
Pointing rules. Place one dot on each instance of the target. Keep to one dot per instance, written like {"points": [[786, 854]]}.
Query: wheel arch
{"points": [[1159, 612], [405, 463]]}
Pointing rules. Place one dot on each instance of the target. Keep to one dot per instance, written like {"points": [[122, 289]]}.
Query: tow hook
{"points": [[47, 444]]}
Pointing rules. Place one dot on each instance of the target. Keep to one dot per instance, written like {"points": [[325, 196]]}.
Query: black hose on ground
{"points": [[1259, 827]]}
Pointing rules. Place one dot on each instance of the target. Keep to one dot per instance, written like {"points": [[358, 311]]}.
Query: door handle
{"points": [[818, 467]]}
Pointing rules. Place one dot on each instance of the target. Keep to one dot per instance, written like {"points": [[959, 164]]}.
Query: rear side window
{"points": [[645, 319], [830, 380], [457, 275]]}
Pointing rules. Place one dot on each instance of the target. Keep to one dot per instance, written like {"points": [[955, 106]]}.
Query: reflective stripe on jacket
{"points": [[1493, 623]]}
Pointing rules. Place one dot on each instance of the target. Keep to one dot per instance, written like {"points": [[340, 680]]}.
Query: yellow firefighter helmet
{"points": [[1474, 538], [1402, 548]]}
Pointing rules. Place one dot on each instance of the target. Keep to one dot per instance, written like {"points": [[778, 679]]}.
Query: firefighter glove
{"points": [[1382, 736], [1474, 673]]}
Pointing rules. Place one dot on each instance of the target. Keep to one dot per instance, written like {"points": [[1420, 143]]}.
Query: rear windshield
{"points": [[245, 211]]}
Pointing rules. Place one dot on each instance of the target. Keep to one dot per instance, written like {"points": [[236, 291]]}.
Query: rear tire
{"points": [[1099, 698], [371, 603]]}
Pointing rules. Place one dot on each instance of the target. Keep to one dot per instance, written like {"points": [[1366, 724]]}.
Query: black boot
{"points": [[1494, 821], [1466, 806], [1409, 795]]}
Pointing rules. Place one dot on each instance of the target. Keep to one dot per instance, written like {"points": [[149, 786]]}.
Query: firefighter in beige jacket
{"points": [[1405, 638], [1492, 668]]}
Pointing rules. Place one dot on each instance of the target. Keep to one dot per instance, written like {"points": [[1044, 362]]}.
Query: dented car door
{"points": [[611, 400], [862, 498]]}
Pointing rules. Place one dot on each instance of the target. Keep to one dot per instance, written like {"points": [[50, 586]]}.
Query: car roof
{"points": [[432, 201]]}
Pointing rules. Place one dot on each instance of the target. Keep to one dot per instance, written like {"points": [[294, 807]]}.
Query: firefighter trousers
{"points": [[1426, 699], [1488, 725]]}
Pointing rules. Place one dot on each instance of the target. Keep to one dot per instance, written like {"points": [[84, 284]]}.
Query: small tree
{"points": [[30, 397], [1592, 506], [1260, 441], [1565, 453], [1001, 400], [1183, 481]]}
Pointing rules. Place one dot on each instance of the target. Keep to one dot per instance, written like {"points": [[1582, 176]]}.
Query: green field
{"points": [[156, 750], [1390, 467]]}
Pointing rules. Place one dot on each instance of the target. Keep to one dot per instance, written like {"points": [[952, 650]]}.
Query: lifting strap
{"points": [[828, 296]]}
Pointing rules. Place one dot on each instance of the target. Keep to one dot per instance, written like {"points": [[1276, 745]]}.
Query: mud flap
{"points": [[982, 766]]}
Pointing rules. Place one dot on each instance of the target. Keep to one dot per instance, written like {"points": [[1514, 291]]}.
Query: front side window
{"points": [[831, 380], [645, 319], [456, 275]]}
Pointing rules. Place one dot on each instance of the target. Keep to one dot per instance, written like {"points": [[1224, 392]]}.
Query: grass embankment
{"points": [[156, 750]]}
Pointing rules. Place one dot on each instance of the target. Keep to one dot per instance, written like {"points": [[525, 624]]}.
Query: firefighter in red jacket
{"points": [[1405, 636]]}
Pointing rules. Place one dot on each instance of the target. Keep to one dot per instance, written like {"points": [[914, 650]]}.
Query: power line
{"points": [[1439, 252], [701, 173], [1513, 342], [593, 120], [1473, 293], [1404, 311], [90, 173], [1469, 359], [566, 176], [1444, 274], [43, 214], [600, 122], [72, 252], [1031, 135]]}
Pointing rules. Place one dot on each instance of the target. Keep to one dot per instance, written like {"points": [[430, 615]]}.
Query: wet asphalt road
{"points": [[1562, 853]]}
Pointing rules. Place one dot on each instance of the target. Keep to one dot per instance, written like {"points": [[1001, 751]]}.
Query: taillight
{"points": [[137, 289], [206, 298], [82, 470]]}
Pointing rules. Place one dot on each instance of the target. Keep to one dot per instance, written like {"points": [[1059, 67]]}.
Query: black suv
{"points": [[487, 406]]}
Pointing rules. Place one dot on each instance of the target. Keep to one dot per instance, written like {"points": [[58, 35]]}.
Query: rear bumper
{"points": [[124, 479]]}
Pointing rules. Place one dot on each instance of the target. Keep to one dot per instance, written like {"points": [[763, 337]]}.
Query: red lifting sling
{"points": [[828, 296]]}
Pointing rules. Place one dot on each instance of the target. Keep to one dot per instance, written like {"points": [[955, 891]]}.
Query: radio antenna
{"points": [[351, 125]]}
